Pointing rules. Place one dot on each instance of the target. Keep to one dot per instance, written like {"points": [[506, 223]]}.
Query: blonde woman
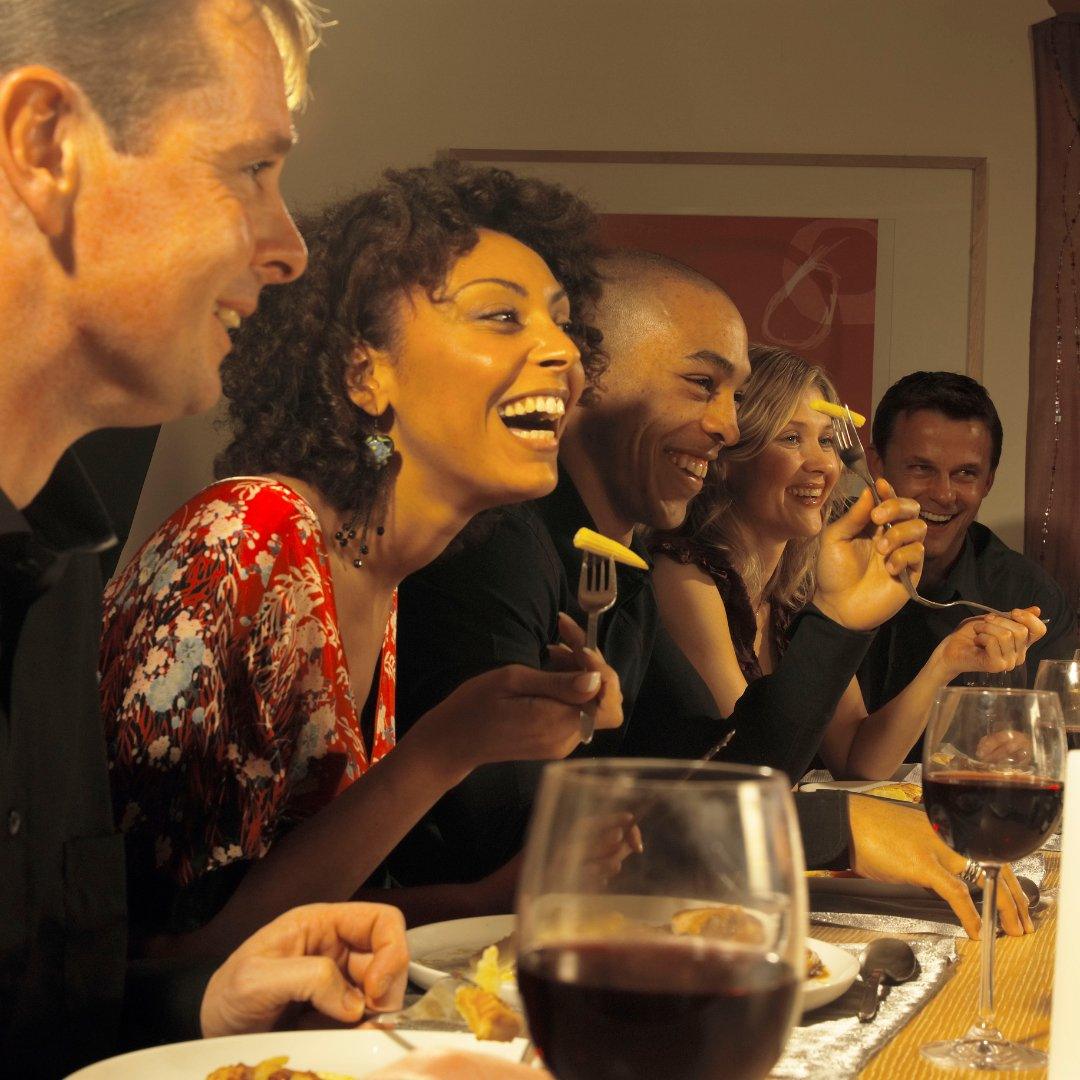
{"points": [[744, 561]]}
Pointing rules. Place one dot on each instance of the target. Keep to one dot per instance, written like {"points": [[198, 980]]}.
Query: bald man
{"points": [[635, 455]]}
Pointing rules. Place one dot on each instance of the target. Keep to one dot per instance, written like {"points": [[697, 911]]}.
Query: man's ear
{"points": [[873, 459], [369, 379], [38, 113]]}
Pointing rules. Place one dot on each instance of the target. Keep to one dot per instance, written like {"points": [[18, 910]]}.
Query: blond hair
{"points": [[778, 380]]}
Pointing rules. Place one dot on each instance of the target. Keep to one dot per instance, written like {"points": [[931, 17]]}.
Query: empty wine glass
{"points": [[661, 920], [993, 770], [1062, 677]]}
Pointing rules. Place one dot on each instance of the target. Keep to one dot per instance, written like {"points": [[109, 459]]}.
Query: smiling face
{"points": [[480, 377], [172, 246], [945, 465], [783, 492], [678, 356]]}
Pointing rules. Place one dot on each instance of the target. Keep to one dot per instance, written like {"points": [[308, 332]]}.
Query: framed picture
{"points": [[872, 266]]}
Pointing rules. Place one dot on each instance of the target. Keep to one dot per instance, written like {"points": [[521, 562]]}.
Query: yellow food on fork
{"points": [[593, 542], [839, 411], [488, 1016]]}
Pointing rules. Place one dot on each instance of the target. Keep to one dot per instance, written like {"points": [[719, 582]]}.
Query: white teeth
{"points": [[540, 435], [552, 408], [937, 519], [807, 492], [695, 466], [229, 317]]}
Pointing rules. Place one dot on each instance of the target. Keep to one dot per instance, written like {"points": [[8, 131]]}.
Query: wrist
{"points": [[938, 669], [434, 757]]}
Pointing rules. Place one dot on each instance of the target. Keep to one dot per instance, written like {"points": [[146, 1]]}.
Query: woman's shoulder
{"points": [[687, 551], [233, 524]]}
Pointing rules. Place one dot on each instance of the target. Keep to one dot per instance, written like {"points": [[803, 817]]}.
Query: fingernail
{"points": [[594, 653], [353, 1001], [587, 681]]}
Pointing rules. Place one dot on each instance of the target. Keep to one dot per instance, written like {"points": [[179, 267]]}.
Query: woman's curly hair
{"points": [[286, 377]]}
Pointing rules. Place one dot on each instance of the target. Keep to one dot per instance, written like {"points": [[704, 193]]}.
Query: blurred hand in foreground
{"points": [[342, 959]]}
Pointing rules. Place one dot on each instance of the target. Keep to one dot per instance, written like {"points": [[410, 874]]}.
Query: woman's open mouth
{"points": [[808, 496], [535, 419]]}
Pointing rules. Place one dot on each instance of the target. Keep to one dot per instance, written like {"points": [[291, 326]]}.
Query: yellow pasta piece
{"points": [[490, 974], [587, 540], [487, 1016], [839, 411]]}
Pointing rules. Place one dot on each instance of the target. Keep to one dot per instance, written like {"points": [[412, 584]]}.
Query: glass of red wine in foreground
{"points": [[661, 920], [1063, 678], [993, 764]]}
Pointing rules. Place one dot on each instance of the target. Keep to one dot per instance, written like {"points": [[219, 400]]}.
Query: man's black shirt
{"points": [[495, 600], [988, 572]]}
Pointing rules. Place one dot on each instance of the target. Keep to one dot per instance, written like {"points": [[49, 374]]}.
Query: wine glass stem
{"points": [[988, 934]]}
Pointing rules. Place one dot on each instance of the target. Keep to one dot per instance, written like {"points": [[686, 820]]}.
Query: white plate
{"points": [[842, 969], [441, 947], [353, 1053]]}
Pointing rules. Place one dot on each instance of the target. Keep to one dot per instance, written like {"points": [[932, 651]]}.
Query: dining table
{"points": [[1024, 972]]}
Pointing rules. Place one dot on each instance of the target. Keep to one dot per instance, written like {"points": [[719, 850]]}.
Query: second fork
{"points": [[597, 587]]}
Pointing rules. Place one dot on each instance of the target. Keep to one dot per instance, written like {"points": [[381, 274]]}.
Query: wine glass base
{"points": [[975, 1051]]}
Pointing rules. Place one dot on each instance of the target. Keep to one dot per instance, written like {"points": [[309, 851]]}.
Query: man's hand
{"points": [[340, 958], [858, 568], [893, 842]]}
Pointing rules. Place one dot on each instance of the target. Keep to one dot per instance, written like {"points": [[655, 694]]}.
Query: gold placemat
{"points": [[1024, 970]]}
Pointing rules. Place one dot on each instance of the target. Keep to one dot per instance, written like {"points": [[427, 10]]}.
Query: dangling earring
{"points": [[380, 450], [347, 534]]}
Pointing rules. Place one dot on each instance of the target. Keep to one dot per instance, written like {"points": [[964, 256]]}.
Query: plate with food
{"points": [[306, 1055], [475, 948]]}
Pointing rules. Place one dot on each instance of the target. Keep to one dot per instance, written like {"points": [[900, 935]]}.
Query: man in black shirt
{"points": [[636, 455], [937, 439], [140, 216]]}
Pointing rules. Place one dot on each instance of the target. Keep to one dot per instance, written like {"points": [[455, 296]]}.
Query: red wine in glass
{"points": [[647, 1009], [992, 819]]}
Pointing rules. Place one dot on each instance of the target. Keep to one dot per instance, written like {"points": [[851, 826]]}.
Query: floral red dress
{"points": [[228, 709]]}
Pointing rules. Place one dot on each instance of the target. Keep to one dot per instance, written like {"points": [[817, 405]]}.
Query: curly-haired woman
{"points": [[417, 375], [744, 561]]}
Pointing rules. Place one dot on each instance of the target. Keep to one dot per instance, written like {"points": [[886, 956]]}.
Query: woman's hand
{"points": [[990, 642], [341, 958], [858, 569], [893, 842], [517, 713]]}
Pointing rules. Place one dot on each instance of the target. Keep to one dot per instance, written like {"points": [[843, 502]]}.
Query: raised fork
{"points": [[850, 449], [596, 592]]}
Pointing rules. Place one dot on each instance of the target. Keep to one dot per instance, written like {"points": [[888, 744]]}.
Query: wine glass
{"points": [[993, 769], [1062, 677], [661, 920]]}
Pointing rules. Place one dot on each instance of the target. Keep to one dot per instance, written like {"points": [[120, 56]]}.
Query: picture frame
{"points": [[931, 213]]}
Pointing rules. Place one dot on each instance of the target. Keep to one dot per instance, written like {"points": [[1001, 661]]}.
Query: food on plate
{"points": [[587, 540], [726, 921], [274, 1068], [815, 969], [839, 411], [492, 969], [901, 792], [487, 1015]]}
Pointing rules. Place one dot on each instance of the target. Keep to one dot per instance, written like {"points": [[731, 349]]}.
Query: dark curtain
{"points": [[1052, 506]]}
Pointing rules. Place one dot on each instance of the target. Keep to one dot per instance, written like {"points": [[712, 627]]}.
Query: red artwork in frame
{"points": [[807, 284]]}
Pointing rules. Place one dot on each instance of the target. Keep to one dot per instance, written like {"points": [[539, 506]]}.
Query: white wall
{"points": [[399, 79]]}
